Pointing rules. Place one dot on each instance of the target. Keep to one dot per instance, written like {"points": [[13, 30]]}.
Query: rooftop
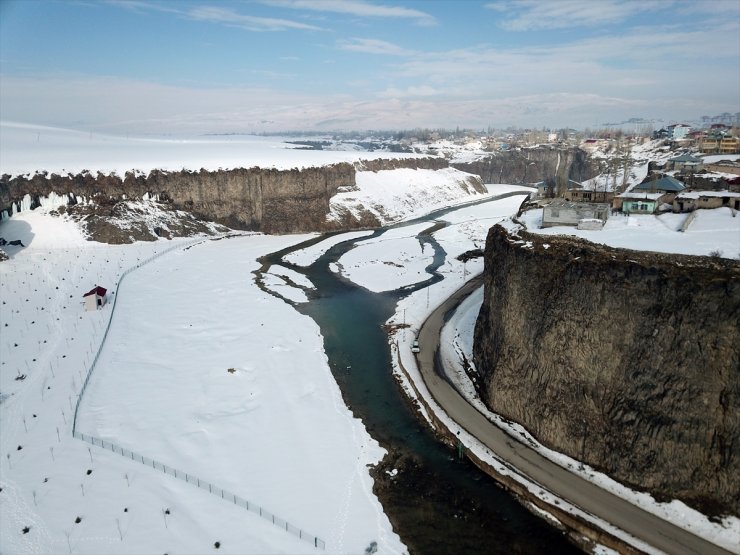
{"points": [[668, 184]]}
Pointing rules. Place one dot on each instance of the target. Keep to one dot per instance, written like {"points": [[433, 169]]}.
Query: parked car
{"points": [[415, 346]]}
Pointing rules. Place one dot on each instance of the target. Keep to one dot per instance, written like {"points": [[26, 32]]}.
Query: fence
{"points": [[210, 488], [189, 478], [110, 321]]}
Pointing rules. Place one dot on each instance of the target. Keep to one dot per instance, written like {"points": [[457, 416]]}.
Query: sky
{"points": [[169, 67]]}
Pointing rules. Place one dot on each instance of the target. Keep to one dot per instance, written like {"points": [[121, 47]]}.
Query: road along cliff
{"points": [[629, 361]]}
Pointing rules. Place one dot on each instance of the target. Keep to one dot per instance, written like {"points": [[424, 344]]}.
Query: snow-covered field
{"points": [[393, 260], [397, 258], [712, 231], [201, 371], [401, 194], [31, 148]]}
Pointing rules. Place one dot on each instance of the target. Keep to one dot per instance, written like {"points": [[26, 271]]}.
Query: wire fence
{"points": [[110, 321], [207, 486], [189, 478]]}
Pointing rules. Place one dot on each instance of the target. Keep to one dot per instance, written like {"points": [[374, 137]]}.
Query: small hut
{"points": [[95, 298]]}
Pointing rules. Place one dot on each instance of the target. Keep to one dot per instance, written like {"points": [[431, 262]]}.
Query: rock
{"points": [[627, 360], [532, 165], [267, 200]]}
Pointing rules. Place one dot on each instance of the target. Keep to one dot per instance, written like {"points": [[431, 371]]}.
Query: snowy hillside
{"points": [[201, 371], [393, 195]]}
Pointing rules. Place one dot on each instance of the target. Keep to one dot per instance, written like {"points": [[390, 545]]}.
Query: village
{"points": [[676, 171]]}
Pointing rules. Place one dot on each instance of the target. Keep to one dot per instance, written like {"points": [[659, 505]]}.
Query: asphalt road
{"points": [[645, 526]]}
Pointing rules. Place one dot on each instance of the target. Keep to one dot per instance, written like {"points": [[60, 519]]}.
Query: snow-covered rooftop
{"points": [[699, 194]]}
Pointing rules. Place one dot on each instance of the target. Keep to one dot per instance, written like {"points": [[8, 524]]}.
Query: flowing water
{"points": [[437, 503]]}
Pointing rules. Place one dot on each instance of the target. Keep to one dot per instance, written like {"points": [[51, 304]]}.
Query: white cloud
{"points": [[373, 46], [231, 18], [357, 8], [141, 6], [525, 15], [409, 92], [215, 14]]}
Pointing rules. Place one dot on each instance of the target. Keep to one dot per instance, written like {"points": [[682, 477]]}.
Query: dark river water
{"points": [[437, 502]]}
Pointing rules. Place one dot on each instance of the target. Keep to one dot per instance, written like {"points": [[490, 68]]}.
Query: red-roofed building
{"points": [[95, 298]]}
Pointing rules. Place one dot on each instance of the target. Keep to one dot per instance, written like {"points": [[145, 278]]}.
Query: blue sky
{"points": [[170, 67]]}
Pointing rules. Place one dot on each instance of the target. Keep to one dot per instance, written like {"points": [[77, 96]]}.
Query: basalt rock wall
{"points": [[533, 165], [268, 200], [627, 360]]}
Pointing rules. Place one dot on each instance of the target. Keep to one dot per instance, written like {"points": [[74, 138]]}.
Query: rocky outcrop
{"points": [[627, 360], [268, 200], [382, 164], [532, 165]]}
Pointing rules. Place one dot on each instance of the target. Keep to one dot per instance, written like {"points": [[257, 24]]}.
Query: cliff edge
{"points": [[629, 361]]}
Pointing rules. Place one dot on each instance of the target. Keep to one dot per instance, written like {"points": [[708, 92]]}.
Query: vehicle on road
{"points": [[415, 346]]}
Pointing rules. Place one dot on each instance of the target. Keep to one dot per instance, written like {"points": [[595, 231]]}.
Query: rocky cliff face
{"points": [[268, 200], [629, 361], [532, 165], [273, 201]]}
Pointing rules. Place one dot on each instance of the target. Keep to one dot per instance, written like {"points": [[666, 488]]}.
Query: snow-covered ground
{"points": [[201, 371], [309, 255], [393, 260], [30, 148], [400, 194], [397, 258], [712, 231]]}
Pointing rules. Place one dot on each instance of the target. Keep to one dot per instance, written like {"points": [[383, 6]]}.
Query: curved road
{"points": [[645, 526]]}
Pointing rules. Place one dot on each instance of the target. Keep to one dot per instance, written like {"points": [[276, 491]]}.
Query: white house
{"points": [[95, 298], [562, 212], [678, 131]]}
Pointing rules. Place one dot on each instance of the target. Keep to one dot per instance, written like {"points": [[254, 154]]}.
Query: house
{"points": [[693, 200], [95, 298], [685, 163], [588, 195], [665, 184], [678, 132], [639, 203], [563, 212], [724, 166], [543, 189], [716, 144], [592, 145]]}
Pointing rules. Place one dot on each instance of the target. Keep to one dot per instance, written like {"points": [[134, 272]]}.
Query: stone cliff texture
{"points": [[532, 165], [268, 200], [629, 361]]}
